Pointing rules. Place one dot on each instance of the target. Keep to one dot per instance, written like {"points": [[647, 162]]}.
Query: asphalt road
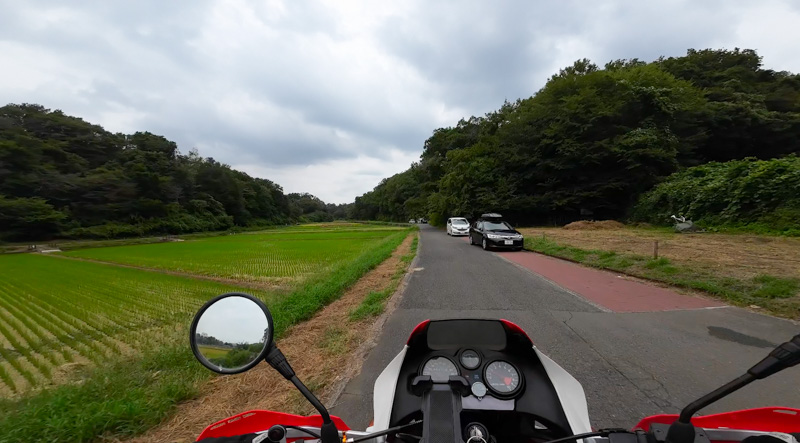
{"points": [[630, 364]]}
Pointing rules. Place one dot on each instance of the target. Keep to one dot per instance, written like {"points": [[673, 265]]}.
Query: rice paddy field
{"points": [[272, 256], [61, 314]]}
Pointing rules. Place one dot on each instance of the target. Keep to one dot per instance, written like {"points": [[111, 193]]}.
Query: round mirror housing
{"points": [[231, 333]]}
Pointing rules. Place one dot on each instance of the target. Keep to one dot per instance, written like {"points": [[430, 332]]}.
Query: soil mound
{"points": [[587, 225]]}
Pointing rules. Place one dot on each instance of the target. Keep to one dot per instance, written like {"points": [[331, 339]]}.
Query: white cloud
{"points": [[772, 29], [330, 97], [337, 180]]}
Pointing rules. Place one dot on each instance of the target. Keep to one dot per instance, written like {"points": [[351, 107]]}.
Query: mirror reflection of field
{"points": [[56, 312], [213, 352]]}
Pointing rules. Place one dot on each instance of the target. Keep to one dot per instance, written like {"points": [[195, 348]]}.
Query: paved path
{"points": [[607, 290], [635, 354]]}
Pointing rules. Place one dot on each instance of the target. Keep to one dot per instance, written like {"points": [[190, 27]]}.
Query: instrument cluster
{"points": [[498, 377]]}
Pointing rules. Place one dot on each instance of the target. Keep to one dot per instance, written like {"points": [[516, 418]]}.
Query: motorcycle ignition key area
{"points": [[479, 389]]}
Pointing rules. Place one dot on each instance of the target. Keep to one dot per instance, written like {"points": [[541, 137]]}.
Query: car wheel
{"points": [[485, 246], [471, 241]]}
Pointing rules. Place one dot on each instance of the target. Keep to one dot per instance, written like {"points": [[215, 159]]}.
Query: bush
{"points": [[749, 194]]}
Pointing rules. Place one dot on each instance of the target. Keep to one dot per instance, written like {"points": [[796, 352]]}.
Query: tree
{"points": [[62, 176], [592, 140]]}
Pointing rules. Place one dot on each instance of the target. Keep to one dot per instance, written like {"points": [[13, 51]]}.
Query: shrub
{"points": [[749, 194]]}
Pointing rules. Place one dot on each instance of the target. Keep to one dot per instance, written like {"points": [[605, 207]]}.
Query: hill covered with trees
{"points": [[593, 140], [61, 176]]}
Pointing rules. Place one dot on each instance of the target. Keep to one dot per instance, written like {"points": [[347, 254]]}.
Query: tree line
{"points": [[62, 177], [593, 140]]}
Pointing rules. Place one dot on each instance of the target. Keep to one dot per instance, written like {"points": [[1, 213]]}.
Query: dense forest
{"points": [[593, 140], [63, 177]]}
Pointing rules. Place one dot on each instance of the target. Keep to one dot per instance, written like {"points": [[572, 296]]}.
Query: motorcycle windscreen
{"points": [[454, 334]]}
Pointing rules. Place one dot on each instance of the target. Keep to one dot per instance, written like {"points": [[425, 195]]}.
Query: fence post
{"points": [[655, 249]]}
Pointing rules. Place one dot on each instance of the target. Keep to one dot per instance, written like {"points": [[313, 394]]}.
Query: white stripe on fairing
{"points": [[570, 394], [383, 393]]}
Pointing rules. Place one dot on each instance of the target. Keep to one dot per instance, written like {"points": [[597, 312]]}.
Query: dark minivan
{"points": [[491, 231]]}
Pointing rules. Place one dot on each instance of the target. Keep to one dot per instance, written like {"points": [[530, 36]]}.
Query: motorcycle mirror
{"points": [[231, 333]]}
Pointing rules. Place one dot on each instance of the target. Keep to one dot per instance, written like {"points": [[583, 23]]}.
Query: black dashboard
{"points": [[487, 373], [504, 382]]}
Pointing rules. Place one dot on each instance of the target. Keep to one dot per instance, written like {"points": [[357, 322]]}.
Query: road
{"points": [[631, 364]]}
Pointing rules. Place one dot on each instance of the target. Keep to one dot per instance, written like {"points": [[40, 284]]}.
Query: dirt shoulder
{"points": [[324, 352]]}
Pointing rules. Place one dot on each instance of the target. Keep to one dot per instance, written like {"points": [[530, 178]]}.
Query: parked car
{"points": [[491, 231], [423, 220], [457, 226], [412, 221]]}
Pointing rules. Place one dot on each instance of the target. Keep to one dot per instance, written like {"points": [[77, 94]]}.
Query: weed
{"points": [[335, 340], [372, 305], [774, 287]]}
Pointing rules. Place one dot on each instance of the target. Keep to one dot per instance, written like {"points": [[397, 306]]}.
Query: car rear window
{"points": [[460, 221], [496, 226]]}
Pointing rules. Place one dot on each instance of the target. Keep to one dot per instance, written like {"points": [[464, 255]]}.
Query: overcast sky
{"points": [[329, 97], [234, 320]]}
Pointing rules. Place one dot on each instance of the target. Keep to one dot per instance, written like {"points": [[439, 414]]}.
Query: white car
{"points": [[457, 226]]}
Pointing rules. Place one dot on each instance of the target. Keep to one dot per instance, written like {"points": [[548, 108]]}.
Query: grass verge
{"points": [[778, 295], [375, 302], [125, 397]]}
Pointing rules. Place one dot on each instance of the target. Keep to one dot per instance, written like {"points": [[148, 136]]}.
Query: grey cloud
{"points": [[481, 53], [292, 85]]}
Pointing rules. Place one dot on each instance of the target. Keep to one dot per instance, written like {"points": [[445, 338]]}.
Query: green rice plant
{"points": [[51, 306], [275, 255], [151, 312], [54, 309]]}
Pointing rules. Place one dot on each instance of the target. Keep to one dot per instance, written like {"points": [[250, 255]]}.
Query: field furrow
{"points": [[58, 314]]}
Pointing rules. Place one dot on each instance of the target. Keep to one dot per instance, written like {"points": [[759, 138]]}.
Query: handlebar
{"points": [[657, 433]]}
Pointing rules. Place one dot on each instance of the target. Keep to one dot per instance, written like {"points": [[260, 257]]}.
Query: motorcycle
{"points": [[465, 381]]}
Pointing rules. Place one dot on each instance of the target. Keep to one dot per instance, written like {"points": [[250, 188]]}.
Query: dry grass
{"points": [[739, 256], [590, 225], [316, 351]]}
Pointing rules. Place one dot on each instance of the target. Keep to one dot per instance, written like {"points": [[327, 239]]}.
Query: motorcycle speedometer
{"points": [[502, 377], [440, 369]]}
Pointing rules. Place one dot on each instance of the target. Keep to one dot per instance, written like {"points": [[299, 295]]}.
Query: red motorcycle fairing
{"points": [[260, 420], [771, 419]]}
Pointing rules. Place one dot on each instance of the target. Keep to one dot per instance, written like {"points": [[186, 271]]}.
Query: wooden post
{"points": [[655, 249]]}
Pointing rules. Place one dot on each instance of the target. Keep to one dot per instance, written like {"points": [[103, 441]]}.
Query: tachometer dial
{"points": [[502, 377], [470, 359], [440, 369]]}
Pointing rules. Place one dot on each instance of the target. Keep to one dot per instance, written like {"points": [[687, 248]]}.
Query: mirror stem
{"points": [[702, 402], [277, 360], [326, 418]]}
